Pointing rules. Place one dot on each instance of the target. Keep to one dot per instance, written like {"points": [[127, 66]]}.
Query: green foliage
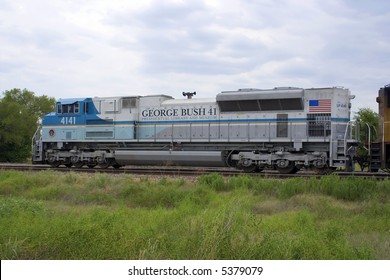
{"points": [[19, 113], [16, 206], [50, 215], [368, 120], [214, 181], [366, 116]]}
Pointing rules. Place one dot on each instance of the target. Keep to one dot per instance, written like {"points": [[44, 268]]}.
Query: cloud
{"points": [[90, 48]]}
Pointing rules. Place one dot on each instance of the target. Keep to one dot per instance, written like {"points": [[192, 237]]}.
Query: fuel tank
{"points": [[188, 158]]}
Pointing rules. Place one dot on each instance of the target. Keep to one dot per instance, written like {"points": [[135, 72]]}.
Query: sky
{"points": [[87, 48]]}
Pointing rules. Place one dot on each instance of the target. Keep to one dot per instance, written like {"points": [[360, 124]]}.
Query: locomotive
{"points": [[284, 128]]}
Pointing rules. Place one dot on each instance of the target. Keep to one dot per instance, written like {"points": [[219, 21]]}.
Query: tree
{"points": [[366, 117], [19, 114]]}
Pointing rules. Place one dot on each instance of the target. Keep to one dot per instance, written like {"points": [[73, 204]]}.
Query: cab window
{"points": [[68, 108]]}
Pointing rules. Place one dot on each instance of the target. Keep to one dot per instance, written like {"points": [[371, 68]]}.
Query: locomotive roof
{"points": [[258, 94], [66, 101]]}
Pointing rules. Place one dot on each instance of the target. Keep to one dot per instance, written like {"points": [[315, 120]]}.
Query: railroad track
{"points": [[186, 171], [146, 170]]}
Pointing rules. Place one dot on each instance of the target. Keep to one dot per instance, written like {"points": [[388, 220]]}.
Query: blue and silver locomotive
{"points": [[250, 129]]}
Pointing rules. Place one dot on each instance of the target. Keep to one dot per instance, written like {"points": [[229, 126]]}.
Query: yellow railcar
{"points": [[384, 125]]}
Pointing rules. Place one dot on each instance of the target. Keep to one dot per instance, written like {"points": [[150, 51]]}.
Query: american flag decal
{"points": [[320, 105]]}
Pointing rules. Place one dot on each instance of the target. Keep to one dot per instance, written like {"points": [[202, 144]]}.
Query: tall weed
{"points": [[215, 181], [14, 206], [13, 182], [72, 216]]}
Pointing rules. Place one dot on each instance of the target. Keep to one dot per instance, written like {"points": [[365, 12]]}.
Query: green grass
{"points": [[49, 215]]}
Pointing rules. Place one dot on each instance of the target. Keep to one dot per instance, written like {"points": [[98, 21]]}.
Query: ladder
{"points": [[374, 152], [337, 153], [375, 157], [340, 151]]}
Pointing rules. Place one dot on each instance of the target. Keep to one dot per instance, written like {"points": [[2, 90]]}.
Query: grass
{"points": [[49, 215]]}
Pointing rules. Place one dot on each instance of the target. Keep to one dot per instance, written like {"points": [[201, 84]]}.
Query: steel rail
{"points": [[187, 171]]}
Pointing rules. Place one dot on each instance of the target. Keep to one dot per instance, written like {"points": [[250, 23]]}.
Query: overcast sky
{"points": [[84, 48]]}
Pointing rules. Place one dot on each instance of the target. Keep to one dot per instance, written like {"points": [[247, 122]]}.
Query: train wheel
{"points": [[250, 169], [228, 161], [106, 163], [286, 167], [78, 164], [55, 164], [116, 165], [67, 163], [287, 170]]}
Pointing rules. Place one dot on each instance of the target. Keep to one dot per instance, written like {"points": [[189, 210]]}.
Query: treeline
{"points": [[20, 111]]}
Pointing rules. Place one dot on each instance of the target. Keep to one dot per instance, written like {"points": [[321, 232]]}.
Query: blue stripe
{"points": [[239, 121]]}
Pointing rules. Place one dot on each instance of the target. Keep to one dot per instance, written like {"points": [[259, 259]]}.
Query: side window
{"points": [[68, 108], [59, 108], [282, 125]]}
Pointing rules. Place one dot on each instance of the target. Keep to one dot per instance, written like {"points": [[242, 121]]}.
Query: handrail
{"points": [[345, 137], [349, 126], [369, 138], [35, 137], [36, 142]]}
